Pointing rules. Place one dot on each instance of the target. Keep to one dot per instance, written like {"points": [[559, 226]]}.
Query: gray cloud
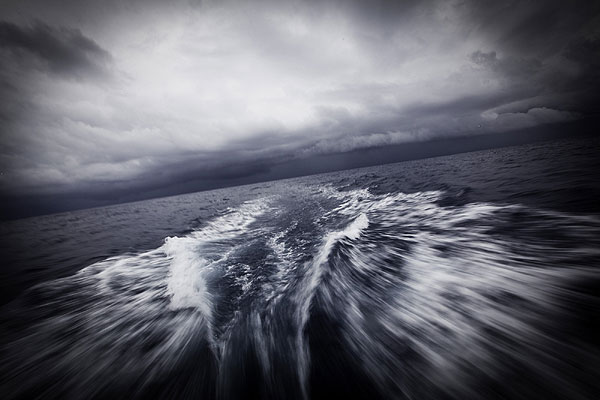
{"points": [[62, 51], [217, 91]]}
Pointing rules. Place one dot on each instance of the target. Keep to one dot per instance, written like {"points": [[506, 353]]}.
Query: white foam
{"points": [[354, 230], [457, 283], [185, 284], [234, 222], [308, 290]]}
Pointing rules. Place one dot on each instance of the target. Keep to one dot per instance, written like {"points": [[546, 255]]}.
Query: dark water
{"points": [[465, 277]]}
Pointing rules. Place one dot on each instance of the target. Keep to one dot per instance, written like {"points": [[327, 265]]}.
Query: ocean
{"points": [[468, 276]]}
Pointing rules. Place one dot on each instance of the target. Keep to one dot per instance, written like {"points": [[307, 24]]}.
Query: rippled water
{"points": [[470, 276]]}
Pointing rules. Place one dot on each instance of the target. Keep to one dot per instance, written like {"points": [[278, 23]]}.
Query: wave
{"points": [[122, 304], [307, 291], [418, 297], [458, 287], [186, 285]]}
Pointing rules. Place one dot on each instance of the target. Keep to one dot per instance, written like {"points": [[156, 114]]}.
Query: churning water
{"points": [[470, 276]]}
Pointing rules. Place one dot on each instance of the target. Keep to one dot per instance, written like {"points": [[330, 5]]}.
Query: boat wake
{"points": [[332, 293]]}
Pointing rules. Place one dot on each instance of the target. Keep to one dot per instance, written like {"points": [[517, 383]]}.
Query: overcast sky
{"points": [[102, 97]]}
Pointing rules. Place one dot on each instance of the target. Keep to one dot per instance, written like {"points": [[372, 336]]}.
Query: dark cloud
{"points": [[585, 53], [485, 59], [217, 93], [62, 51]]}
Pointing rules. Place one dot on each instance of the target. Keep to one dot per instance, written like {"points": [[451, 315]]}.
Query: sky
{"points": [[109, 101]]}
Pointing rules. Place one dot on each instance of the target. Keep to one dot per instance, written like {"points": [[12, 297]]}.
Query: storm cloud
{"points": [[62, 51], [138, 96]]}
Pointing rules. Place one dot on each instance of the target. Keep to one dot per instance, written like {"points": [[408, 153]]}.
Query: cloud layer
{"points": [[134, 95], [63, 51]]}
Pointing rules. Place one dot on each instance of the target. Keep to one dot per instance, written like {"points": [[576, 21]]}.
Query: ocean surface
{"points": [[468, 276]]}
